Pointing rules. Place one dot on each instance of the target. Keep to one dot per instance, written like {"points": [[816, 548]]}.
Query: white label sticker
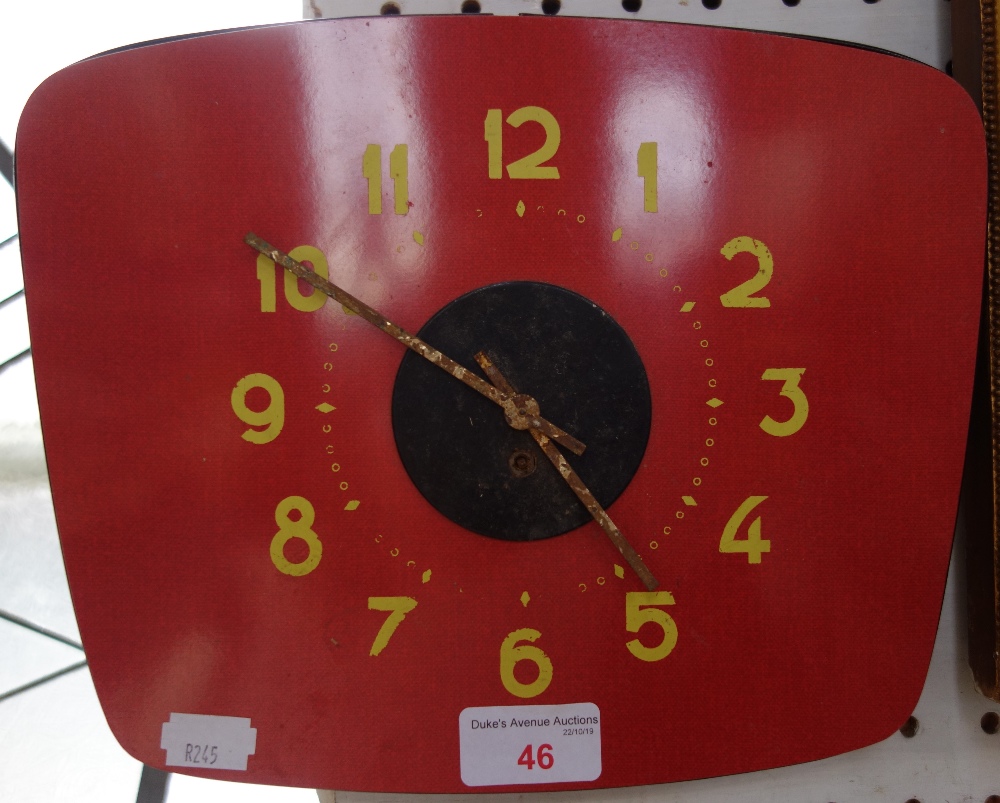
{"points": [[208, 742], [522, 744]]}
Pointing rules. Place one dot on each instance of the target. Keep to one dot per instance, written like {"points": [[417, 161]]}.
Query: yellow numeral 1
{"points": [[646, 159], [371, 169], [753, 546], [397, 607]]}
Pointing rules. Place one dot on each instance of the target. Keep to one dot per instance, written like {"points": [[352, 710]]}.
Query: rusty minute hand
{"points": [[576, 484], [521, 411]]}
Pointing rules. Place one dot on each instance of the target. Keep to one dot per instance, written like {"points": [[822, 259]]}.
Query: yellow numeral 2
{"points": [[743, 295]]}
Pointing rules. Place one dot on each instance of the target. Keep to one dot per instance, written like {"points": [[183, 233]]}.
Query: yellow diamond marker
{"points": [[715, 402], [525, 599], [426, 576], [619, 572], [688, 306], [347, 311], [325, 408], [418, 238], [689, 501], [616, 235], [520, 208], [354, 504]]}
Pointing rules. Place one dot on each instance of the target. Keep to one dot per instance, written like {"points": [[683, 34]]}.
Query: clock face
{"points": [[743, 270]]}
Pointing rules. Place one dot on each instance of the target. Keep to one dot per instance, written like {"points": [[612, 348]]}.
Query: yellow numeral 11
{"points": [[371, 169]]}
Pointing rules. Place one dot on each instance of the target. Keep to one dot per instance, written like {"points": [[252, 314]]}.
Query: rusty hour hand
{"points": [[577, 485], [521, 411]]}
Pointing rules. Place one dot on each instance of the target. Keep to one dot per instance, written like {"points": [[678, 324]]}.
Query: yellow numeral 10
{"points": [[371, 169], [268, 281]]}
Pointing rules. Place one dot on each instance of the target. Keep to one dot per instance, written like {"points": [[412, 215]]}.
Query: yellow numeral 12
{"points": [[397, 607], [371, 169], [532, 165]]}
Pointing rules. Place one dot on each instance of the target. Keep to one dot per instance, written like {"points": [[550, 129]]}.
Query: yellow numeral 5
{"points": [[642, 607]]}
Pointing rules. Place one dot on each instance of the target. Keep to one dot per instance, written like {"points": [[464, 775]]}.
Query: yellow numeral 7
{"points": [[397, 607]]}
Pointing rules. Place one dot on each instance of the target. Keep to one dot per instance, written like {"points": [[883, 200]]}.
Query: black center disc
{"points": [[554, 345]]}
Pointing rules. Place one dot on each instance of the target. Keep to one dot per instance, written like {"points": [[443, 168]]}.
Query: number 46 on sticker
{"points": [[543, 758]]}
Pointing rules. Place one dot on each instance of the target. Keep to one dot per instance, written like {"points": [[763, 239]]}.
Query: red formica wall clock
{"points": [[727, 282]]}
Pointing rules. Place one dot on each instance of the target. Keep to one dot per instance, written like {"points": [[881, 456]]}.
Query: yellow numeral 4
{"points": [[753, 546]]}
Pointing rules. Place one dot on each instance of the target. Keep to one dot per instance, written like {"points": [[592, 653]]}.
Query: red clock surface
{"points": [[743, 269]]}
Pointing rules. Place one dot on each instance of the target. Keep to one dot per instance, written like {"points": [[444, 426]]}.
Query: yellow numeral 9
{"points": [[272, 417]]}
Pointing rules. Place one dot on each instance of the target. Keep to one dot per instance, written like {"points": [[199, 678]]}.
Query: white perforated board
{"points": [[950, 758]]}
